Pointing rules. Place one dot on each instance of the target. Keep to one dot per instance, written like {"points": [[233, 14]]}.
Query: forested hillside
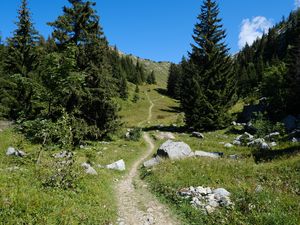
{"points": [[91, 135], [266, 69]]}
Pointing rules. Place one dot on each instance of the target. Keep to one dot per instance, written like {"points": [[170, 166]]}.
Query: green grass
{"points": [[24, 199], [278, 203], [162, 113]]}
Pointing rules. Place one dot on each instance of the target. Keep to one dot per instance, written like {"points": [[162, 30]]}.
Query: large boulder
{"points": [[119, 165], [290, 122], [174, 150]]}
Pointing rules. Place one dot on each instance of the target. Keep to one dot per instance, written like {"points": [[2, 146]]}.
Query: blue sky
{"points": [[159, 29]]}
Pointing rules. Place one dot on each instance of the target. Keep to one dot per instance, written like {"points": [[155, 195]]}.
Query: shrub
{"points": [[264, 126]]}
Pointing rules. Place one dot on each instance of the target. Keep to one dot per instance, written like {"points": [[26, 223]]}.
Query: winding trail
{"points": [[136, 205]]}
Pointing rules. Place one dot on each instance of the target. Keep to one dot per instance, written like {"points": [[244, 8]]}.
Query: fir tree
{"points": [[19, 65], [174, 80], [79, 28], [293, 74], [151, 78], [209, 84]]}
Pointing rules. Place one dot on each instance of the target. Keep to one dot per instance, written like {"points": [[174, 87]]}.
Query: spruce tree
{"points": [[293, 74], [20, 62], [209, 84], [79, 27]]}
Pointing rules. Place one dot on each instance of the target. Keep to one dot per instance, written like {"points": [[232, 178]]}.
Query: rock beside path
{"points": [[207, 199], [89, 169], [119, 165], [174, 150]]}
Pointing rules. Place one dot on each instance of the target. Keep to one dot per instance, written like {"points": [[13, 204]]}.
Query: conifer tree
{"points": [[209, 84], [20, 62], [151, 78], [79, 28], [174, 80], [293, 75]]}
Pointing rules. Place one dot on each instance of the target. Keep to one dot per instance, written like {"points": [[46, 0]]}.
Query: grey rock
{"points": [[290, 122], [213, 203], [11, 151], [295, 140], [152, 162], [233, 157], [174, 150], [273, 144], [236, 142], [14, 152], [272, 136], [89, 169], [209, 209], [63, 154], [221, 192], [228, 145], [258, 189], [259, 143], [207, 154], [225, 202], [119, 165], [198, 135]]}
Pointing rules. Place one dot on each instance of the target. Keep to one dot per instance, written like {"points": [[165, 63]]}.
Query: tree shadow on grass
{"points": [[162, 91], [172, 109], [171, 128], [265, 156]]}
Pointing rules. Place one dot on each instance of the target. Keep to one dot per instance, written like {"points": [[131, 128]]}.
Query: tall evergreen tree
{"points": [[79, 27], [209, 84], [174, 80], [19, 65], [293, 74]]}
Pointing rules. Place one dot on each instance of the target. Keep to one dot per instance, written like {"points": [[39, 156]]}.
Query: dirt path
{"points": [[137, 206]]}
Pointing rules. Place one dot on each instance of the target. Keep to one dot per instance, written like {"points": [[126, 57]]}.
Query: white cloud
{"points": [[252, 29], [297, 4]]}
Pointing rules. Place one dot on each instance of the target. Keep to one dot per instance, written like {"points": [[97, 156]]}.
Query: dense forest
{"points": [[266, 69], [66, 83]]}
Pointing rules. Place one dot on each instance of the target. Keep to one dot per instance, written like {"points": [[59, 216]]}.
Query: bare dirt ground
{"points": [[137, 206]]}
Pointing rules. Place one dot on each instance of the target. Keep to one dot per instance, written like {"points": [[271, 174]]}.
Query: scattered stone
{"points": [[14, 152], [10, 151], [259, 143], [233, 157], [295, 140], [272, 136], [205, 199], [119, 165], [221, 192], [258, 189], [64, 154], [228, 145], [273, 144], [236, 142], [207, 154], [152, 162], [233, 123], [174, 150], [198, 135], [89, 169]]}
